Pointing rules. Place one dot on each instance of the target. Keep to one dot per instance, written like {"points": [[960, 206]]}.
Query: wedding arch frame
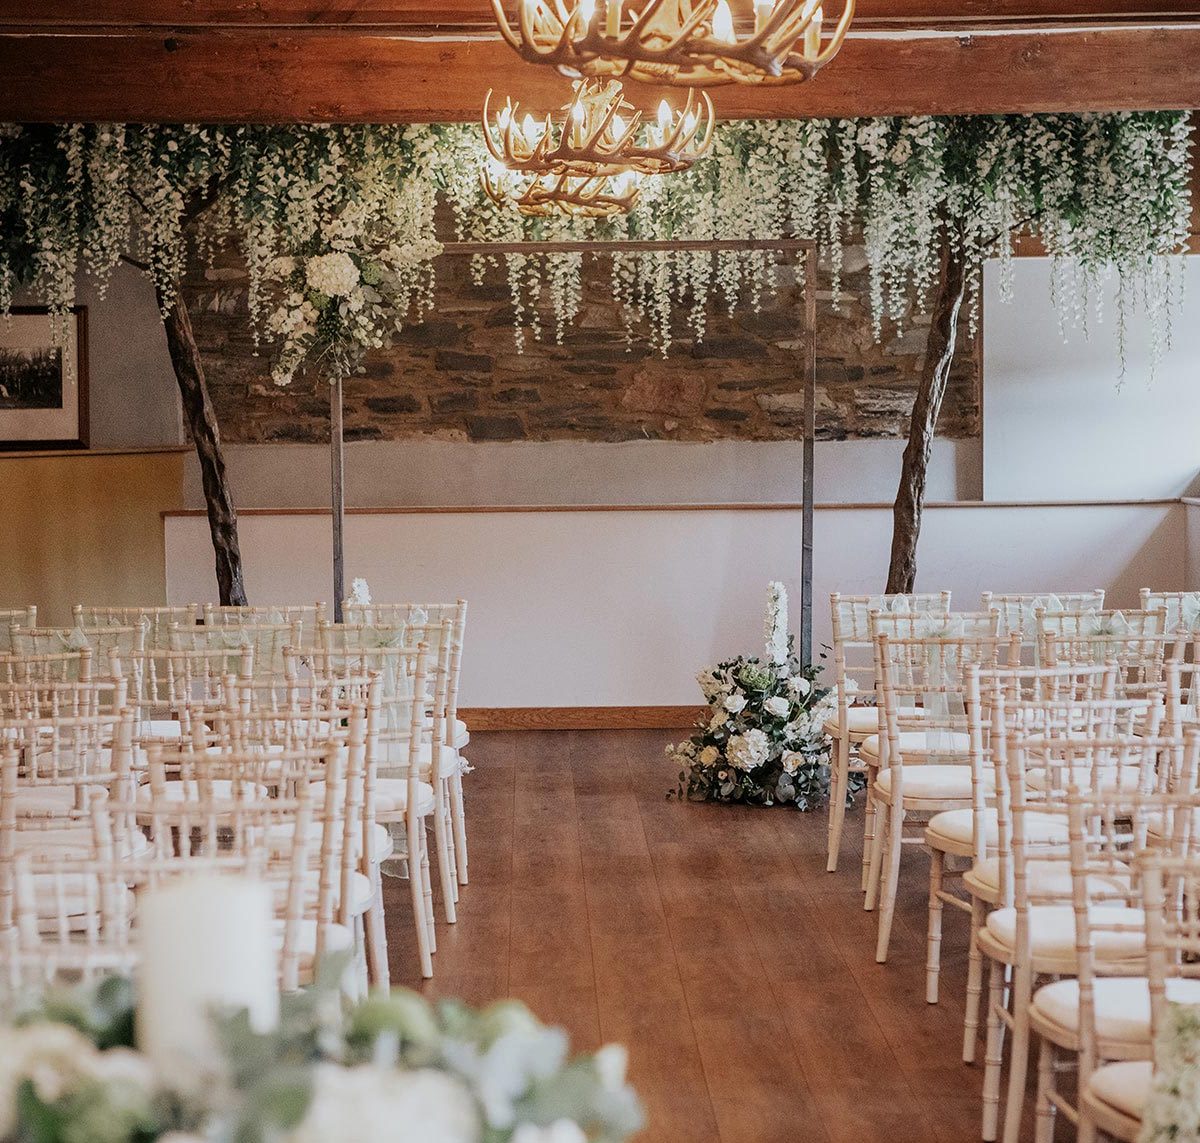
{"points": [[807, 359]]}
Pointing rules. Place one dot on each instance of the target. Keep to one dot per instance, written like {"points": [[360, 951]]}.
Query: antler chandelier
{"points": [[692, 43], [590, 162]]}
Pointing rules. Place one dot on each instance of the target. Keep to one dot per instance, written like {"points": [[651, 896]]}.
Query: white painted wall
{"points": [[621, 608], [1055, 423]]}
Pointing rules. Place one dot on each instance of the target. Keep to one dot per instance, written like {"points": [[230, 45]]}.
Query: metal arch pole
{"points": [[810, 437], [337, 482]]}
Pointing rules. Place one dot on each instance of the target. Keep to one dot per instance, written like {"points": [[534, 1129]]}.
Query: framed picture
{"points": [[43, 386]]}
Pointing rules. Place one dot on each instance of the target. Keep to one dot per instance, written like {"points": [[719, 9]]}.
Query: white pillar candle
{"points": [[207, 942]]}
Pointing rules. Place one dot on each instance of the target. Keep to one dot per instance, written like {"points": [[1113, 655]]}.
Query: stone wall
{"points": [[459, 374]]}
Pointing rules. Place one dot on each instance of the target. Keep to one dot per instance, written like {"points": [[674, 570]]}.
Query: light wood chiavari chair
{"points": [[857, 717], [17, 617], [266, 640], [158, 621]]}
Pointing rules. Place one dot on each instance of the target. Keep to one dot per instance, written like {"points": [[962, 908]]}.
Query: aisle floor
{"points": [[710, 940]]}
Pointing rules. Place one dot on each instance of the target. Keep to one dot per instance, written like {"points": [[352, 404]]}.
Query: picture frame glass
{"points": [[40, 380]]}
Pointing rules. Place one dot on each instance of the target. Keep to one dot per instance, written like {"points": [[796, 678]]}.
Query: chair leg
{"points": [[427, 887], [416, 887], [891, 882], [838, 782], [869, 825], [875, 857], [974, 983], [379, 971], [1085, 1130], [933, 952], [458, 814], [1018, 1061], [993, 1058], [445, 859], [1046, 1086]]}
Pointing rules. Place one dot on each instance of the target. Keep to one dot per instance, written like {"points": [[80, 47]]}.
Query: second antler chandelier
{"points": [[589, 160], [689, 43]]}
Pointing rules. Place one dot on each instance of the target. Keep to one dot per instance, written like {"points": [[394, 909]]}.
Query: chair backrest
{"points": [[1108, 831], [1170, 898], [1137, 641], [308, 615], [37, 699], [1018, 610], [57, 667], [124, 640], [158, 621], [11, 617], [1182, 608], [168, 683], [266, 640]]}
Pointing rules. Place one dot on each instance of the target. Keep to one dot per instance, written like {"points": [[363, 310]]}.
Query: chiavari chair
{"points": [[923, 752], [1018, 610], [1114, 1096], [158, 621], [308, 617], [124, 641], [441, 764], [1034, 936], [857, 716], [267, 641], [14, 617], [1045, 699], [1104, 1012], [287, 809], [59, 666]]}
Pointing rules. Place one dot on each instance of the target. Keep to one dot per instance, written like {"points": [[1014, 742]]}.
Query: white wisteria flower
{"points": [[360, 592], [777, 623]]}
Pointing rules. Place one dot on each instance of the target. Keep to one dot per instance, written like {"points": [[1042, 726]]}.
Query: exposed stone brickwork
{"points": [[459, 375]]}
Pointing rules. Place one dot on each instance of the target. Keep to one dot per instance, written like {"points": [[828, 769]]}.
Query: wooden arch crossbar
{"points": [[808, 354]]}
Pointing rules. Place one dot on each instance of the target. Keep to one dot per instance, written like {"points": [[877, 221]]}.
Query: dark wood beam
{"points": [[466, 13], [257, 75]]}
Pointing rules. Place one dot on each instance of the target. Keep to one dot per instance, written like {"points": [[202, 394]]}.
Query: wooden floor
{"points": [[710, 940]]}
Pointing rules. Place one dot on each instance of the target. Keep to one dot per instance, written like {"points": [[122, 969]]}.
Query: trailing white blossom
{"points": [[336, 224]]}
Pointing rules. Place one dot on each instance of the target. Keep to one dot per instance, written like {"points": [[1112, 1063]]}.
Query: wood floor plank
{"points": [[709, 940]]}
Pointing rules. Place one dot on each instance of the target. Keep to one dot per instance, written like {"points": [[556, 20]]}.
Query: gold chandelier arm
{"points": [[839, 35], [506, 30]]}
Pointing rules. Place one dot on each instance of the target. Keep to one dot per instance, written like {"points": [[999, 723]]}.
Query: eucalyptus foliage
{"points": [[394, 1066], [1104, 193]]}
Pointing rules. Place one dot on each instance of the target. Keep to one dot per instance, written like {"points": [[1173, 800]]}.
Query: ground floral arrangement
{"points": [[336, 223], [764, 741], [393, 1069]]}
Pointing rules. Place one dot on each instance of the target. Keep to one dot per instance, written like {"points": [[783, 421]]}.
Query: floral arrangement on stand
{"points": [[393, 1068], [764, 741]]}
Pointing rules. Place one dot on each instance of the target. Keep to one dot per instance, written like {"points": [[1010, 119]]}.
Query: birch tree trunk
{"points": [[939, 357], [202, 421]]}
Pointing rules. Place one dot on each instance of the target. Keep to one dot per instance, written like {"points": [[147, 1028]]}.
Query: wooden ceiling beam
{"points": [[412, 14], [264, 76]]}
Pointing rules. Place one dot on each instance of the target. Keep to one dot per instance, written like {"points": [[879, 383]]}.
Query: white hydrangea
{"points": [[334, 274], [748, 751], [368, 1102]]}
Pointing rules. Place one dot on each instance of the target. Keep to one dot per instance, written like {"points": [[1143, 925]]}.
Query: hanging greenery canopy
{"points": [[337, 223]]}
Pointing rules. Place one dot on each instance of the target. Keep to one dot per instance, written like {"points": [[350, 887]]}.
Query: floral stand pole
{"points": [[337, 470]]}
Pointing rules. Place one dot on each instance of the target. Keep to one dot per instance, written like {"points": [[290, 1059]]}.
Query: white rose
{"points": [[735, 704], [709, 755], [611, 1063], [778, 706], [792, 761]]}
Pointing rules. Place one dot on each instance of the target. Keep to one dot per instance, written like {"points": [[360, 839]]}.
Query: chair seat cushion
{"points": [[1126, 778], [1046, 879], [462, 736], [958, 826], [1122, 1004], [360, 891], [51, 800], [922, 743], [859, 720], [1052, 932], [160, 728], [1124, 1086], [391, 796], [933, 780], [338, 938], [394, 755]]}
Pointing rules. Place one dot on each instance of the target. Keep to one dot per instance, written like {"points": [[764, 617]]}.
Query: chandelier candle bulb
{"points": [[722, 23], [762, 14], [206, 943], [612, 19], [812, 35]]}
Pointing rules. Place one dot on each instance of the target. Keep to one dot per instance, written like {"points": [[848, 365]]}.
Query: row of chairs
{"points": [[217, 720], [984, 727]]}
